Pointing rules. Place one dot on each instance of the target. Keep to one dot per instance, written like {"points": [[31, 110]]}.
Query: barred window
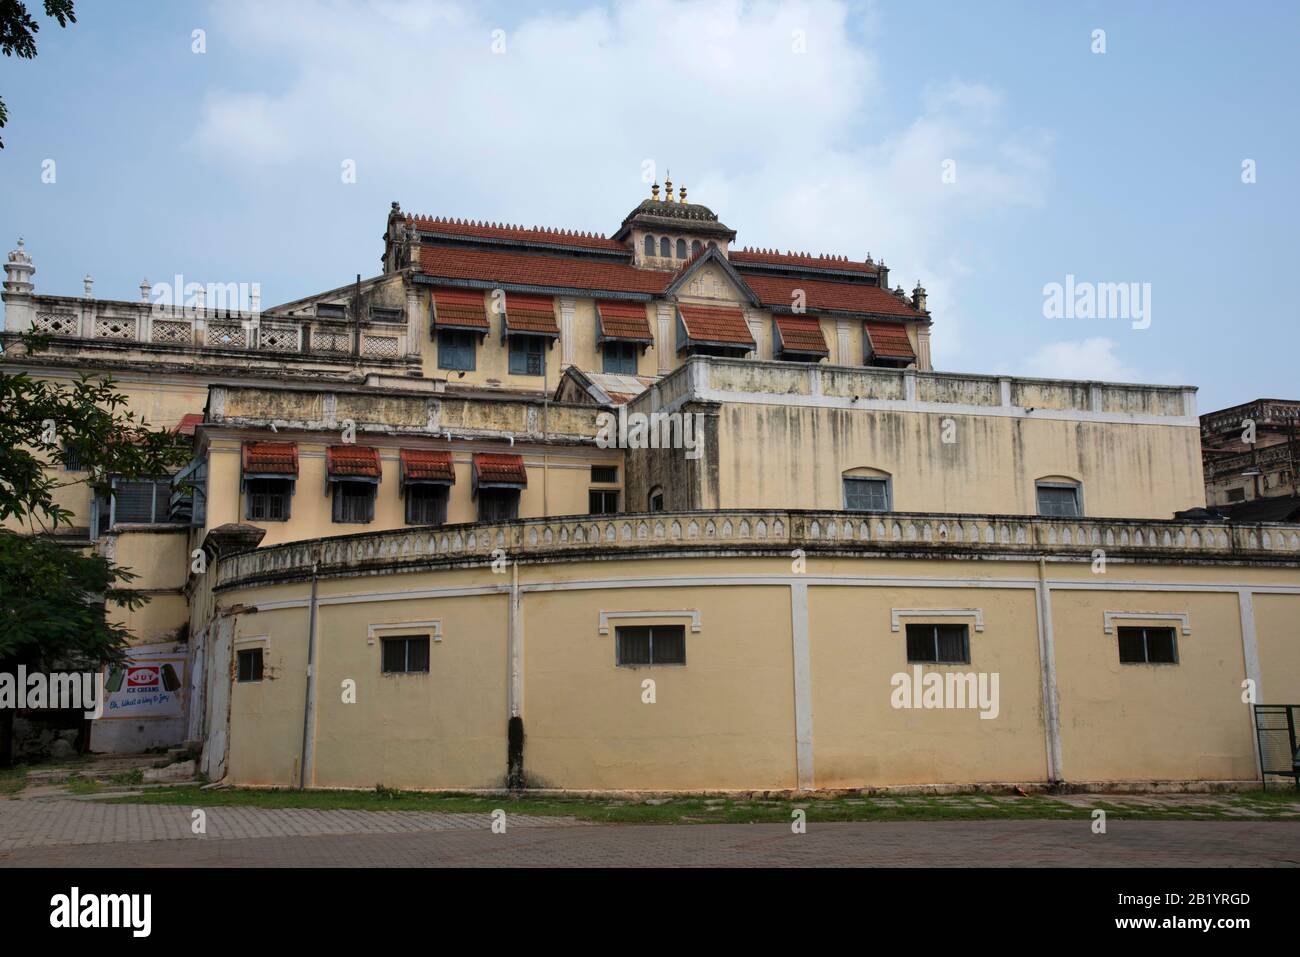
{"points": [[604, 474], [651, 645], [498, 504], [602, 501], [268, 500], [938, 644], [354, 502], [141, 502], [1148, 646], [527, 355], [408, 654]]}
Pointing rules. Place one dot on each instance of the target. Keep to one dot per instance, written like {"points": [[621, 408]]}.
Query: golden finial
{"points": [[654, 192], [668, 187], [682, 192]]}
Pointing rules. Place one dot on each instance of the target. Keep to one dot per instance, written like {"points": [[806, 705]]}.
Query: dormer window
{"points": [[665, 248], [649, 245], [695, 247], [681, 249]]}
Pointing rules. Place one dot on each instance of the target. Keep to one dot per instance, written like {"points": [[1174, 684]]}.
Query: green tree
{"points": [[18, 33], [54, 597]]}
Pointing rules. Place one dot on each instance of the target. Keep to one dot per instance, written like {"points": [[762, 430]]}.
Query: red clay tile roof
{"points": [[623, 320], [890, 340], [497, 467], [427, 465], [187, 423], [510, 232], [739, 257], [537, 269], [716, 324], [347, 461], [459, 309], [801, 334], [834, 296], [534, 314], [270, 458]]}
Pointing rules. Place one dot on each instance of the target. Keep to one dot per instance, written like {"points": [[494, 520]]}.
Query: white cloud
{"points": [[785, 146], [1093, 358]]}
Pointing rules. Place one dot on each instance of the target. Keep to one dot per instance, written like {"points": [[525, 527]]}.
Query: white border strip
{"points": [[1110, 617], [896, 613], [605, 617]]}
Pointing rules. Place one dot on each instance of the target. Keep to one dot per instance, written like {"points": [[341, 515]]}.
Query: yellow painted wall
{"points": [[1137, 721], [1277, 636], [726, 719], [777, 456]]}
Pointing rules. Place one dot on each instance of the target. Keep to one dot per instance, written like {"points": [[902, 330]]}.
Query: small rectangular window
{"points": [[73, 460], [408, 654], [250, 664], [456, 350], [646, 645], [1236, 495], [866, 495], [527, 355], [426, 504], [498, 504], [354, 503], [268, 500], [938, 644], [1148, 646], [604, 474], [602, 501], [1058, 501], [619, 358]]}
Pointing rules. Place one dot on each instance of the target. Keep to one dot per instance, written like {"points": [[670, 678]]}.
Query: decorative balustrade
{"points": [[385, 338], [899, 533]]}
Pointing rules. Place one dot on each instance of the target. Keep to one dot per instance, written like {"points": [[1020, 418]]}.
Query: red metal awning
{"points": [[530, 315], [889, 339], [270, 459], [427, 466], [500, 470], [801, 335], [353, 461], [716, 325], [623, 321], [459, 309]]}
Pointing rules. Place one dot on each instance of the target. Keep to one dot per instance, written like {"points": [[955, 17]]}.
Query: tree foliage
{"points": [[53, 596]]}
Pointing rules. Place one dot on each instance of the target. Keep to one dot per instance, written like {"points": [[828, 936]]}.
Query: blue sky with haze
{"points": [[1125, 166]]}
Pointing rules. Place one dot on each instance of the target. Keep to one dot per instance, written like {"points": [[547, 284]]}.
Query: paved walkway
{"points": [[72, 833], [48, 823]]}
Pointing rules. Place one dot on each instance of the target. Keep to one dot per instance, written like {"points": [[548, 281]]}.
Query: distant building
{"points": [[1250, 455]]}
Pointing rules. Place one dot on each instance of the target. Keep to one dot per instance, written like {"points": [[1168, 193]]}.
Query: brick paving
{"points": [[68, 834], [47, 823]]}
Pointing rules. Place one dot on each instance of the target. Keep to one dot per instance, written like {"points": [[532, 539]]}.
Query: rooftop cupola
{"points": [[19, 271], [664, 232]]}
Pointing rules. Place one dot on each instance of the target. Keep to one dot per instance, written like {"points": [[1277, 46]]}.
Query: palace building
{"points": [[406, 551]]}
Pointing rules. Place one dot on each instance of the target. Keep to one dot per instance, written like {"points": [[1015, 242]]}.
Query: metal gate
{"points": [[1279, 753]]}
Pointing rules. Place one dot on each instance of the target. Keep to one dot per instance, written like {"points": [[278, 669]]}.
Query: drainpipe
{"points": [[1047, 661], [306, 771], [515, 691]]}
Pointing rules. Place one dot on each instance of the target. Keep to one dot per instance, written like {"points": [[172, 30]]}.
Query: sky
{"points": [[987, 150]]}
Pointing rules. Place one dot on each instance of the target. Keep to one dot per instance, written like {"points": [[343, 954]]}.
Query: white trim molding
{"points": [[1110, 617], [607, 616], [896, 613], [433, 627]]}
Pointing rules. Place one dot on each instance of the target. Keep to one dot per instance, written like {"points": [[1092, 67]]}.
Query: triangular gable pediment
{"points": [[711, 277]]}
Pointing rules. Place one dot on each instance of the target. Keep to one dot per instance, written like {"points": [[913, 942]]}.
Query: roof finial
{"points": [[683, 194], [654, 192], [668, 187]]}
